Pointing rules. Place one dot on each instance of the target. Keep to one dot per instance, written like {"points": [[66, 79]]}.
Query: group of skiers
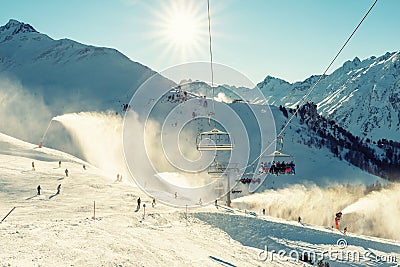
{"points": [[277, 167], [179, 96], [39, 188], [139, 201]]}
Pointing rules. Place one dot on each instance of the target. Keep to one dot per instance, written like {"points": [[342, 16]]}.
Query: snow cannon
{"points": [[337, 219]]}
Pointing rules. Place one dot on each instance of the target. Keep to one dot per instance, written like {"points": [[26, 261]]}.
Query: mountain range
{"points": [[41, 77], [363, 96]]}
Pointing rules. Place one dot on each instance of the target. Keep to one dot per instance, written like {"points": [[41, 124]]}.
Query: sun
{"points": [[181, 29]]}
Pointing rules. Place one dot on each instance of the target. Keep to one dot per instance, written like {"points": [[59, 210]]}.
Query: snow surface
{"points": [[60, 229]]}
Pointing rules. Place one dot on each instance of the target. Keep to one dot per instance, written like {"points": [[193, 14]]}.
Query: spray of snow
{"points": [[222, 97], [22, 114], [374, 214], [99, 136], [378, 212]]}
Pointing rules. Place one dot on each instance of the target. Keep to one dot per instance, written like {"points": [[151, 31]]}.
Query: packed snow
{"points": [[62, 228]]}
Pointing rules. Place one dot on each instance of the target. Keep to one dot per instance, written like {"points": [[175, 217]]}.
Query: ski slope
{"points": [[50, 228]]}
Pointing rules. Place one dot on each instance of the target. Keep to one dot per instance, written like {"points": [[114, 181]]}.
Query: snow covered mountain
{"points": [[68, 75], [361, 96], [41, 78]]}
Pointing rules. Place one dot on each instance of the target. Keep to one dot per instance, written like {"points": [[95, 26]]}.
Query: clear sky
{"points": [[289, 39]]}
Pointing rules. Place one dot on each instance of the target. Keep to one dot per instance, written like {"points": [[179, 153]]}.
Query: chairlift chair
{"points": [[278, 156], [214, 140]]}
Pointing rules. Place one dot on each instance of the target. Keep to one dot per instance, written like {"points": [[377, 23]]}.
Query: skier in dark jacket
{"points": [[66, 172], [138, 203], [38, 190]]}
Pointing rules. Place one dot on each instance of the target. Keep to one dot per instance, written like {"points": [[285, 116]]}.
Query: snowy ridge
{"points": [[361, 96], [14, 27], [68, 74]]}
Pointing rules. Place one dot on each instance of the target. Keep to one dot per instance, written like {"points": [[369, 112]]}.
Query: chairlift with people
{"points": [[278, 162]]}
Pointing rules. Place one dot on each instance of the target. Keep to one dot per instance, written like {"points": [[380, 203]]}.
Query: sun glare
{"points": [[181, 29]]}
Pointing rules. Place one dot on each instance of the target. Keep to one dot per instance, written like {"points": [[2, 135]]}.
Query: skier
{"points": [[299, 219], [84, 166], [33, 166], [345, 230], [58, 189], [59, 164], [117, 177], [153, 204], [38, 190], [66, 172], [138, 203], [263, 211]]}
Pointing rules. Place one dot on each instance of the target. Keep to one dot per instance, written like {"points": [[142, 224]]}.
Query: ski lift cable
{"points": [[303, 99], [211, 57]]}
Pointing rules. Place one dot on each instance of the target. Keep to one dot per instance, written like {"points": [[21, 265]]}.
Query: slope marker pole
{"points": [[8, 214]]}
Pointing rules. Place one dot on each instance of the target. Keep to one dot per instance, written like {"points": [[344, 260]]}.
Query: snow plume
{"points": [[22, 114], [155, 153], [222, 97], [99, 137], [378, 212], [375, 213]]}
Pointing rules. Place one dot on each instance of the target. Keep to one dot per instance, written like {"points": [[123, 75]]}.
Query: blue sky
{"points": [[289, 39]]}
